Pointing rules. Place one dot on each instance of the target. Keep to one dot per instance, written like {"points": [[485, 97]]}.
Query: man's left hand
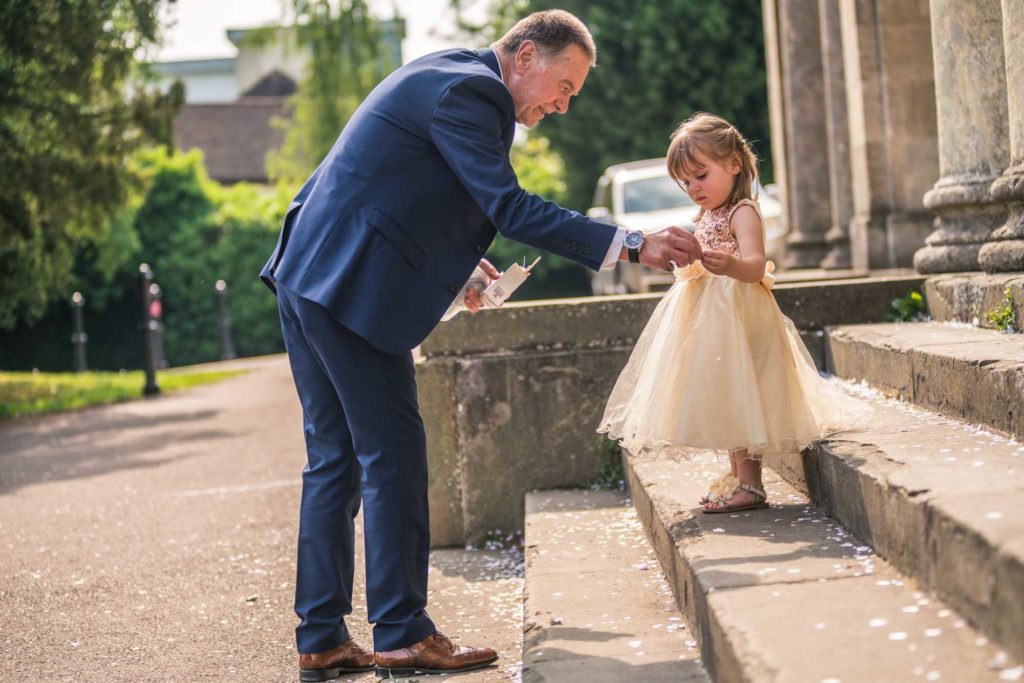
{"points": [[474, 302]]}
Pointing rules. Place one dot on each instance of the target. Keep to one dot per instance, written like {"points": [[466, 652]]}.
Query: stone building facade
{"points": [[898, 132]]}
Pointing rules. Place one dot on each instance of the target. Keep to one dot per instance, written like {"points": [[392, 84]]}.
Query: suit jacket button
{"points": [[481, 248], [454, 289]]}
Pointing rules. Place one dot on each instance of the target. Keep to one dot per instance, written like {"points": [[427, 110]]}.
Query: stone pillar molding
{"points": [[1005, 251], [795, 91], [838, 148], [971, 100]]}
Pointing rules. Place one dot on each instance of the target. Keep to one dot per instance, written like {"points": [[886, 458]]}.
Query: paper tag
{"points": [[501, 289]]}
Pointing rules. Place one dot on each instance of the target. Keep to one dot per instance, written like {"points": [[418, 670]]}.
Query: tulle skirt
{"points": [[720, 367]]}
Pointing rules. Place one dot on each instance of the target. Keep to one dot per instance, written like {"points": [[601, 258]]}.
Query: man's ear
{"points": [[526, 55]]}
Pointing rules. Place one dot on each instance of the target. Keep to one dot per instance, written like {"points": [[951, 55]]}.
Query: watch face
{"points": [[634, 239]]}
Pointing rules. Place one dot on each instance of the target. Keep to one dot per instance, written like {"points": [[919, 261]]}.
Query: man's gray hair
{"points": [[552, 30]]}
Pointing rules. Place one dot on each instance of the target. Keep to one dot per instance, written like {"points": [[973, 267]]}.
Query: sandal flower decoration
{"points": [[721, 490]]}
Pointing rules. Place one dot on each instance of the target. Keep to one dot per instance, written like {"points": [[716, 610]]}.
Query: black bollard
{"points": [[156, 313], [148, 330], [227, 344], [78, 335]]}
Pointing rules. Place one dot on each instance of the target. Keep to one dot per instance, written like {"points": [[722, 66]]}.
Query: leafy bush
{"points": [[907, 309]]}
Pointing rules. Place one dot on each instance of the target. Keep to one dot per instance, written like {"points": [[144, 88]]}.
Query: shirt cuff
{"points": [[614, 249]]}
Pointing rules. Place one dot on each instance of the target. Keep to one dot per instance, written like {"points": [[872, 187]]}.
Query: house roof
{"points": [[234, 137], [274, 84]]}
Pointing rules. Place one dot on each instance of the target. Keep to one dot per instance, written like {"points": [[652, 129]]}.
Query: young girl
{"points": [[718, 365]]}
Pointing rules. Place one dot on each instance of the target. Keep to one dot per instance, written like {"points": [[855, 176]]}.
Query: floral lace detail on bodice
{"points": [[713, 230]]}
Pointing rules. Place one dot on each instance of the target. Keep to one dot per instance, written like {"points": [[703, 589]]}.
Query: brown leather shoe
{"points": [[435, 654], [347, 658]]}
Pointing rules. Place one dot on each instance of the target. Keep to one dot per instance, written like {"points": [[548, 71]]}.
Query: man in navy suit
{"points": [[374, 248]]}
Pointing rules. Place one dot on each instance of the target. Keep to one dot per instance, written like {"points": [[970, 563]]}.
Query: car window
{"points": [[653, 194]]}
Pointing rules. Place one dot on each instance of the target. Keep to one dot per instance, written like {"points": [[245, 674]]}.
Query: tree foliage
{"points": [[67, 128], [540, 171], [193, 232], [658, 63], [347, 58]]}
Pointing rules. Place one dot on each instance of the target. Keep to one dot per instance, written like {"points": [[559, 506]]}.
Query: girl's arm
{"points": [[745, 224]]}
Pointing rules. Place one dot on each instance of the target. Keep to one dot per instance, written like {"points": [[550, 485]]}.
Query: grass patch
{"points": [[37, 393]]}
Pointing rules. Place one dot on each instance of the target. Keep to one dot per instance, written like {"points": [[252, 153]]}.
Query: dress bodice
{"points": [[713, 230]]}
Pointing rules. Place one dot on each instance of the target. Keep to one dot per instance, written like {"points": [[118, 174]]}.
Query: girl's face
{"points": [[711, 182]]}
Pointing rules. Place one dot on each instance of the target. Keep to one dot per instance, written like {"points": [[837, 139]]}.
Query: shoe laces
{"points": [[444, 639]]}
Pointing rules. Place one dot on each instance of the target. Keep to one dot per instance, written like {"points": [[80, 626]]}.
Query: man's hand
{"points": [[473, 300], [667, 245], [719, 262]]}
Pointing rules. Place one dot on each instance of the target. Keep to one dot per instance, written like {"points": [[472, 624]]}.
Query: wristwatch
{"points": [[634, 242]]}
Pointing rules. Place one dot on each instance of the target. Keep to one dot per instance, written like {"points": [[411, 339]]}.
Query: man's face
{"points": [[541, 85]]}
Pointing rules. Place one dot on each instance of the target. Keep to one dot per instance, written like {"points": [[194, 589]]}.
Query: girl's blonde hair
{"points": [[716, 139]]}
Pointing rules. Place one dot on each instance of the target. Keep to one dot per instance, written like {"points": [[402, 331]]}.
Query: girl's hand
{"points": [[719, 262]]}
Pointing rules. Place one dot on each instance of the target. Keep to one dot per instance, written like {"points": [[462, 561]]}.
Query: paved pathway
{"points": [[155, 541]]}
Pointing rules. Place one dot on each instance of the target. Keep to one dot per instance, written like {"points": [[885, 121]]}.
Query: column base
{"points": [[1004, 252], [803, 257], [1004, 256], [950, 258], [838, 258], [967, 217], [804, 250], [839, 254]]}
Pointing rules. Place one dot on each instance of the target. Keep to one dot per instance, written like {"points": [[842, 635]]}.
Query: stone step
{"points": [[972, 374], [787, 594], [967, 297], [939, 499], [596, 607]]}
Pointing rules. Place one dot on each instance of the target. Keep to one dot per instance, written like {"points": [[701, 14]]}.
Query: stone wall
{"points": [[511, 398]]}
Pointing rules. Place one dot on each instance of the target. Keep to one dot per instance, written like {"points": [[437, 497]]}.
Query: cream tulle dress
{"points": [[720, 367]]}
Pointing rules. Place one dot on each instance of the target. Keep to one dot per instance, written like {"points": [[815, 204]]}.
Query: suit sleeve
{"points": [[466, 127]]}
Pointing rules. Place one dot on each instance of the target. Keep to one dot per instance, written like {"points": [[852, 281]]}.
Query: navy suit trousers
{"points": [[364, 441]]}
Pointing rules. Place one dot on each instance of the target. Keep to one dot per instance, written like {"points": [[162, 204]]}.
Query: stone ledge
{"points": [[968, 373], [609, 321], [941, 501], [787, 594], [596, 609]]}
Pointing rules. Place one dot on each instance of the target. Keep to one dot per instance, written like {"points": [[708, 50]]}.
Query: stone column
{"points": [[795, 91], [1005, 251], [891, 108], [911, 131], [840, 187], [868, 162], [971, 100]]}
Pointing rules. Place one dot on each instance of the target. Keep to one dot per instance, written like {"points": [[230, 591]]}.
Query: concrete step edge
{"points": [[970, 374], [728, 630], [926, 534]]}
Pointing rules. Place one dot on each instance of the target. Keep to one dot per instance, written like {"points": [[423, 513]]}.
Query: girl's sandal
{"points": [[720, 501]]}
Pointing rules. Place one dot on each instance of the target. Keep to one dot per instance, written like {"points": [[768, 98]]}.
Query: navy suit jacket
{"points": [[391, 224]]}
